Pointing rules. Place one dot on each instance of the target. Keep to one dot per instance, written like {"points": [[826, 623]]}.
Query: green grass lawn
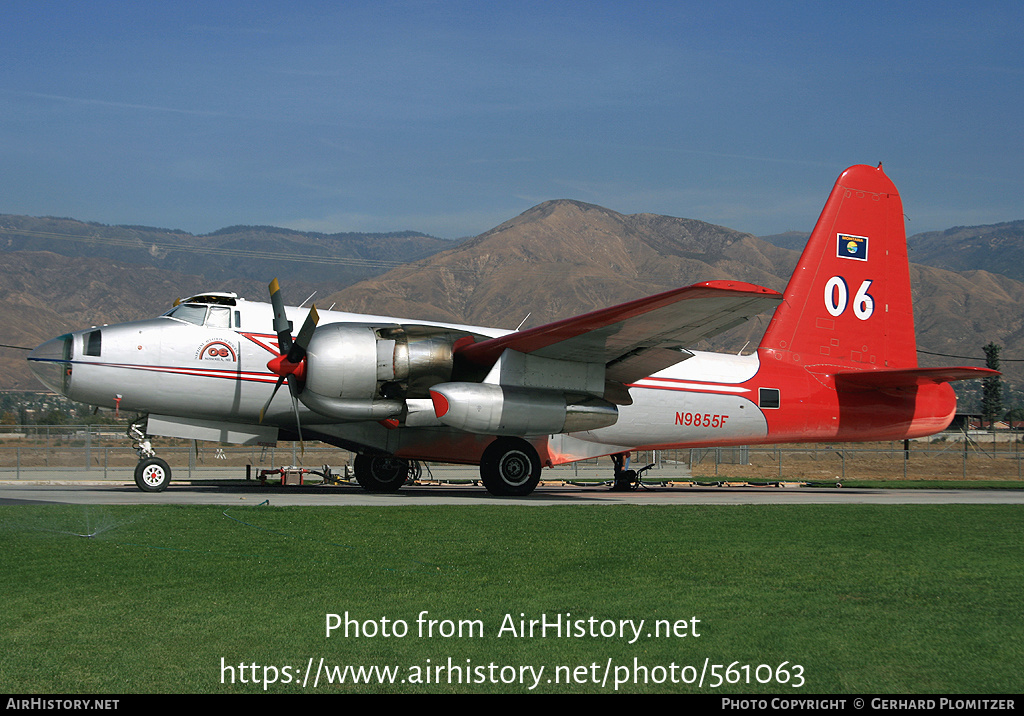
{"points": [[894, 599]]}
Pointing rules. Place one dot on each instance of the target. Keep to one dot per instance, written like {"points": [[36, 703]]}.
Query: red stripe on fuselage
{"points": [[247, 376]]}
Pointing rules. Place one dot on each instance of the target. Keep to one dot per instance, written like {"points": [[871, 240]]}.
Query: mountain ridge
{"points": [[554, 260], [251, 252]]}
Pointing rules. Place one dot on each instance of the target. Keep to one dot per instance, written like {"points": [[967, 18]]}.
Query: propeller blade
{"points": [[295, 406], [271, 398], [298, 349], [282, 326], [289, 365]]}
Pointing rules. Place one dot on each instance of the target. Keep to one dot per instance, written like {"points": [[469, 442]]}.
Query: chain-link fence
{"points": [[27, 452], [101, 452]]}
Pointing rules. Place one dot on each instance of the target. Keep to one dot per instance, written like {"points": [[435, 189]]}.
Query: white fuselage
{"points": [[187, 366]]}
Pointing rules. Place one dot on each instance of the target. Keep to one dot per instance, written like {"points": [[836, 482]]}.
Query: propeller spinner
{"points": [[290, 365]]}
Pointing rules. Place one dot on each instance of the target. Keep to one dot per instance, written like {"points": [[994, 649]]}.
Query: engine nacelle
{"points": [[361, 371], [491, 409]]}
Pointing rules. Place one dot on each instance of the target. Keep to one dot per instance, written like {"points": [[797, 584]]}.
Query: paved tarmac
{"points": [[224, 487]]}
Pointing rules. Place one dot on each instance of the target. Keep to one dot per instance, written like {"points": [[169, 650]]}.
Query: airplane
{"points": [[838, 362]]}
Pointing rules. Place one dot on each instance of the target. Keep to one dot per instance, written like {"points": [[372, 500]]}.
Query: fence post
{"points": [[965, 456]]}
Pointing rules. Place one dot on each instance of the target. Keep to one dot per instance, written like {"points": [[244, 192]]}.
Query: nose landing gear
{"points": [[152, 474]]}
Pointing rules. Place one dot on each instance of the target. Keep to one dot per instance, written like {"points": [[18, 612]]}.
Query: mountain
{"points": [[558, 259], [62, 274], [44, 295], [249, 252], [793, 240], [998, 248], [565, 257]]}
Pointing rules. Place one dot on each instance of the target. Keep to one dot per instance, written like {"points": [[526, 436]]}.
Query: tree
{"points": [[55, 417], [991, 387], [1015, 415]]}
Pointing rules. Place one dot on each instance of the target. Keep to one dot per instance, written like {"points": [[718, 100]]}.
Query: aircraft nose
{"points": [[51, 363]]}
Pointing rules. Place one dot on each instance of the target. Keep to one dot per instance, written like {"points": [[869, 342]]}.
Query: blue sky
{"points": [[451, 117]]}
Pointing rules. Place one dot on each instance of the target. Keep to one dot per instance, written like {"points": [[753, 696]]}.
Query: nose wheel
{"points": [[152, 475]]}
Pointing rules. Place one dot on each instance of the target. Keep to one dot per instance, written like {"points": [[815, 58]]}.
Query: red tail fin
{"points": [[848, 303]]}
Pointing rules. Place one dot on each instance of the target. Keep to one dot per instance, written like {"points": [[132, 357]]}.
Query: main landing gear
{"points": [[382, 473], [152, 474], [626, 479], [510, 467]]}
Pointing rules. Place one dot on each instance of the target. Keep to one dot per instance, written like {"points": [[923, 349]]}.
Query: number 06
{"points": [[837, 294]]}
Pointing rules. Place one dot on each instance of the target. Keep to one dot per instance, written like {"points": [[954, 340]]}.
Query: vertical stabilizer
{"points": [[848, 304]]}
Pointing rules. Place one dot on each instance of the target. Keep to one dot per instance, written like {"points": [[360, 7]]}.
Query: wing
{"points": [[637, 338]]}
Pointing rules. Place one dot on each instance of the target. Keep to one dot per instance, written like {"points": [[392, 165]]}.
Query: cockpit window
{"points": [[93, 343], [210, 316], [220, 299], [220, 317], [189, 313]]}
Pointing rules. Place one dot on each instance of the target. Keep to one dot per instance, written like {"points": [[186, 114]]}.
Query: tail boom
{"points": [[861, 406]]}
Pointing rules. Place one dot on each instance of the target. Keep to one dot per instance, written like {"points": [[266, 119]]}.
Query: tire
{"points": [[510, 467], [152, 475], [381, 473]]}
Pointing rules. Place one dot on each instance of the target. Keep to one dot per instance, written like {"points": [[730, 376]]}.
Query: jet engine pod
{"points": [[491, 409]]}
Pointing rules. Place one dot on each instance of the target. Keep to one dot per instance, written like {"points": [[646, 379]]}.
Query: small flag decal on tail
{"points": [[852, 247]]}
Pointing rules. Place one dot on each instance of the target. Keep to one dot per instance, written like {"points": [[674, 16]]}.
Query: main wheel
{"points": [[152, 475], [381, 473], [510, 467]]}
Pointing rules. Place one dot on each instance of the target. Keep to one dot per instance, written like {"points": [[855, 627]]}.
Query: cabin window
{"points": [[93, 343], [768, 398]]}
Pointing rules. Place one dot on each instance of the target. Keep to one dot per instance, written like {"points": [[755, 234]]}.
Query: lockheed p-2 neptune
{"points": [[838, 362]]}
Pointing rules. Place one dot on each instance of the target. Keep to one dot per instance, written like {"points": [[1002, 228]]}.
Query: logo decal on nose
{"points": [[218, 351]]}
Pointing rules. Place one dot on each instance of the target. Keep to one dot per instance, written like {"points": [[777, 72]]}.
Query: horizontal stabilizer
{"points": [[637, 337], [907, 378]]}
